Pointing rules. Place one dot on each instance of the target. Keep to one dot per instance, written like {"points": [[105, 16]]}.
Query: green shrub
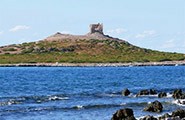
{"points": [[9, 49]]}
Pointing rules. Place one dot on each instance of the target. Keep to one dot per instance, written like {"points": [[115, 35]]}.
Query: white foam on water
{"points": [[149, 102], [9, 103], [122, 104], [79, 106], [58, 98], [146, 95], [156, 95], [110, 95], [38, 109], [131, 95], [156, 116], [179, 102], [141, 117], [169, 95]]}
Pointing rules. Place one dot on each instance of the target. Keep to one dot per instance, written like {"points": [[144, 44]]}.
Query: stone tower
{"points": [[96, 28]]}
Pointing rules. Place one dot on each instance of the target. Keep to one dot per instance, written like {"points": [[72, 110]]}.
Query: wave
{"points": [[98, 106], [56, 108], [30, 99], [134, 104], [132, 95], [9, 102], [27, 109], [169, 95], [107, 95], [6, 101]]}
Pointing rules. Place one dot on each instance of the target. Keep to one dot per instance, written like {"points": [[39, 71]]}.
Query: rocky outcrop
{"points": [[127, 114], [153, 92], [164, 117], [178, 94], [179, 113], [148, 118], [90, 36], [147, 92], [125, 92], [124, 114], [182, 102], [176, 115], [162, 94], [155, 106], [143, 92]]}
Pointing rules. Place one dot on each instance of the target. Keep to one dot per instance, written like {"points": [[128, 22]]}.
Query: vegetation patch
{"points": [[83, 51]]}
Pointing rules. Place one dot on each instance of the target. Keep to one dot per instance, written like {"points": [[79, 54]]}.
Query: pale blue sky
{"points": [[154, 24]]}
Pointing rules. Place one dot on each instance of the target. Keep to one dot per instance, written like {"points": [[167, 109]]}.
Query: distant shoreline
{"points": [[166, 63]]}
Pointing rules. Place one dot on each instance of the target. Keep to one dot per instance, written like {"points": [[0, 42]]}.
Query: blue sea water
{"points": [[83, 93]]}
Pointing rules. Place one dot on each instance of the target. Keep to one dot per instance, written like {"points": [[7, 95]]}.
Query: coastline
{"points": [[165, 63]]}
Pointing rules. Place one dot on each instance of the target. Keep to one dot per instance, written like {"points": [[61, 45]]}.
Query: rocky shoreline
{"points": [[166, 63], [128, 114], [156, 106]]}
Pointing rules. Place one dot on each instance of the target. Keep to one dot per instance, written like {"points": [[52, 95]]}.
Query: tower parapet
{"points": [[96, 28]]}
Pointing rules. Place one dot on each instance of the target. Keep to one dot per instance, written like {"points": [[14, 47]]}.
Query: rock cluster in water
{"points": [[156, 106], [127, 114], [162, 94], [148, 118], [125, 92], [178, 94], [124, 114], [176, 115], [147, 92]]}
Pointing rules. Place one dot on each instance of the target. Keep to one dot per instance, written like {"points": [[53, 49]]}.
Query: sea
{"points": [[84, 93]]}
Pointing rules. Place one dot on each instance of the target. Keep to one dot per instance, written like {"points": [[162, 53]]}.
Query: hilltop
{"points": [[94, 47]]}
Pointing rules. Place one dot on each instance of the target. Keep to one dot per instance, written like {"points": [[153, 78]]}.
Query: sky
{"points": [[152, 24]]}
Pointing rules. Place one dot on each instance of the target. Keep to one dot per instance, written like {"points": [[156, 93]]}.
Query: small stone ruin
{"points": [[96, 28]]}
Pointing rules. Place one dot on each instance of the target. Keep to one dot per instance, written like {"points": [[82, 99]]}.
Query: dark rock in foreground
{"points": [[124, 114], [127, 114], [162, 94], [179, 113], [176, 115], [125, 92], [164, 117], [155, 106], [148, 118]]}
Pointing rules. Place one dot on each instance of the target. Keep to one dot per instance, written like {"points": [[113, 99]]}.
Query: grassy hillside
{"points": [[81, 51]]}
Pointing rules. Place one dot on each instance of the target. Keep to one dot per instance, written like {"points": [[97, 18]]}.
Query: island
{"points": [[92, 49]]}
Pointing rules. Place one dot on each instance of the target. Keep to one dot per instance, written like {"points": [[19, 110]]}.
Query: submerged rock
{"points": [[143, 92], [125, 92], [124, 114], [155, 106], [148, 118], [162, 94]]}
